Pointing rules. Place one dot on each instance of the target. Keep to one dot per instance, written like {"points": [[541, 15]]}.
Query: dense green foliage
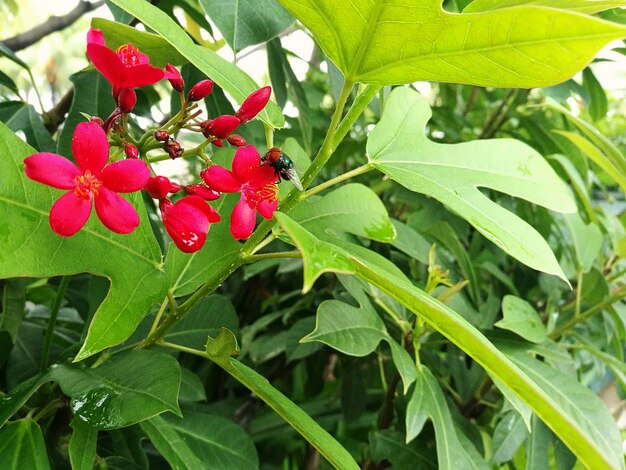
{"points": [[447, 291]]}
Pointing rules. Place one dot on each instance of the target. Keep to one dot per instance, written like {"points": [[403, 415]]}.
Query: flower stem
{"points": [[616, 296], [54, 312], [276, 255], [327, 184]]}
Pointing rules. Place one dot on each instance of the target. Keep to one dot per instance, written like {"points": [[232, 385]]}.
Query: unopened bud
{"points": [[200, 90], [236, 140], [126, 100], [203, 191], [175, 187], [158, 187], [161, 135], [253, 104], [217, 142], [131, 151], [220, 127], [175, 78]]}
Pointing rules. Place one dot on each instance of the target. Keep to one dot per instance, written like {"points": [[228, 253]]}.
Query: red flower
{"points": [[175, 78], [256, 184], [91, 180], [187, 221], [125, 68]]}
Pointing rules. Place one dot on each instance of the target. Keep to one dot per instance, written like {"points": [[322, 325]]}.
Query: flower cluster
{"points": [[109, 160]]}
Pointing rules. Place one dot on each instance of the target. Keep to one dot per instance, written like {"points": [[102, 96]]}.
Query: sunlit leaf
{"points": [[453, 175]]}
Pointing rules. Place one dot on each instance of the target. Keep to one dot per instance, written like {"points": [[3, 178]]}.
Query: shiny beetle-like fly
{"points": [[283, 166]]}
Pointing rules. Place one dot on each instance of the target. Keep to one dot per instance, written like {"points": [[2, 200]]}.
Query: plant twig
{"points": [[55, 116], [51, 25]]}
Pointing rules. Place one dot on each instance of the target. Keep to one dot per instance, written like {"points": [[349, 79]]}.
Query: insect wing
{"points": [[291, 175]]}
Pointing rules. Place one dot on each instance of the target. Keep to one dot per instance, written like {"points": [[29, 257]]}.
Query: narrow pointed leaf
{"points": [[581, 6]]}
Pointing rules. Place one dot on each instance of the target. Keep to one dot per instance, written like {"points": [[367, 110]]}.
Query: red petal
{"points": [[220, 179], [242, 220], [69, 214], [263, 175], [267, 208], [143, 58], [186, 224], [95, 36], [51, 169], [141, 75], [126, 176], [90, 147], [115, 212], [246, 162], [199, 203], [107, 62]]}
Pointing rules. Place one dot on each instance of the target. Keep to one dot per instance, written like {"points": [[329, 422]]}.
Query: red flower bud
{"points": [[161, 135], [217, 143], [158, 187], [254, 103], [97, 120], [175, 187], [200, 90], [131, 151], [175, 78], [220, 127], [236, 140], [202, 191], [126, 100]]}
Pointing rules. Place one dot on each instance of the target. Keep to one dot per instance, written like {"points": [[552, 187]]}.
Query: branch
{"points": [[55, 116], [51, 25]]}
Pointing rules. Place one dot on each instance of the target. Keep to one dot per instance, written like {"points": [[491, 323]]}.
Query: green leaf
{"points": [[9, 54], [599, 103], [521, 318], [596, 155], [608, 148], [410, 40], [200, 440], [8, 82], [124, 390], [93, 96], [191, 387], [225, 74], [221, 348], [587, 240], [555, 409], [155, 47], [452, 174], [431, 402], [537, 445], [583, 408], [508, 436], [13, 306], [22, 446], [187, 271], [389, 445], [206, 319], [581, 6], [244, 23], [82, 446], [20, 116], [131, 262], [16, 398], [352, 208], [351, 330], [327, 446]]}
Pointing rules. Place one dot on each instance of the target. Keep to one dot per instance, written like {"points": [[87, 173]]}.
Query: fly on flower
{"points": [[282, 165]]}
